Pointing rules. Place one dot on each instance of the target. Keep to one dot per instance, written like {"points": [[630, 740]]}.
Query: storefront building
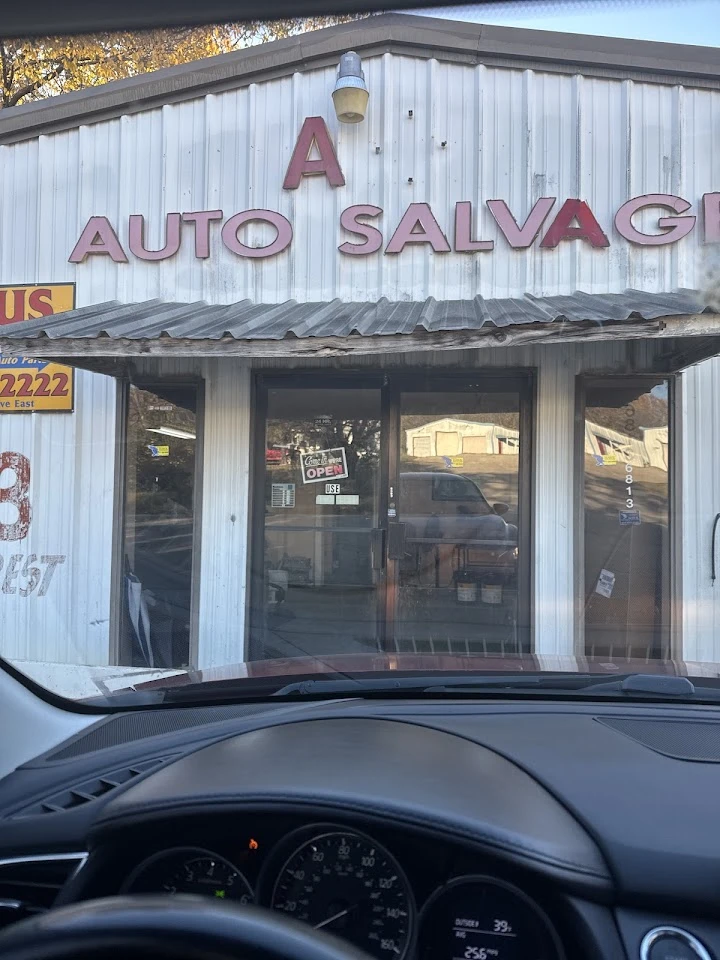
{"points": [[437, 381]]}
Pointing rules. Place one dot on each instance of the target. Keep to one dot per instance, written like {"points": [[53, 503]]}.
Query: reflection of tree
{"points": [[360, 438], [626, 412], [163, 486]]}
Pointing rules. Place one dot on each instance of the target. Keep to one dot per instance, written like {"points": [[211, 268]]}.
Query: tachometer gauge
{"points": [[349, 885], [190, 870], [480, 918]]}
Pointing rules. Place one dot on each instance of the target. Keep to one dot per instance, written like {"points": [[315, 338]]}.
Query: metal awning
{"points": [[161, 328], [273, 321]]}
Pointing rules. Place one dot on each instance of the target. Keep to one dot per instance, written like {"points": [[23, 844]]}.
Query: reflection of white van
{"points": [[448, 506]]}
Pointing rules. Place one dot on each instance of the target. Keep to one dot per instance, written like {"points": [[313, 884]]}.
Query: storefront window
{"points": [[459, 507], [321, 567], [391, 518], [159, 526], [626, 440]]}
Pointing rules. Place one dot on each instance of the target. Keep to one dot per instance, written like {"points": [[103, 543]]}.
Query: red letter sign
{"points": [[418, 225], [675, 228], [314, 131], [277, 220], [349, 221], [201, 219], [137, 238], [524, 236], [587, 229], [711, 215], [98, 237], [463, 230]]}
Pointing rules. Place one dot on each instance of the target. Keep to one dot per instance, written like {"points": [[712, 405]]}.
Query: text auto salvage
{"points": [[574, 220]]}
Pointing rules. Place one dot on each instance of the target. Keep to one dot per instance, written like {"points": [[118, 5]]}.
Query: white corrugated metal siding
{"points": [[700, 502], [510, 134], [72, 464], [75, 453], [224, 524], [224, 536]]}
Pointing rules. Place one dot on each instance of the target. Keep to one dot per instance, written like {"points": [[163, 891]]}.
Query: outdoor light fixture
{"points": [[350, 95]]}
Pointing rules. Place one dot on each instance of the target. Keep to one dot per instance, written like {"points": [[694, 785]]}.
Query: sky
{"points": [[676, 21]]}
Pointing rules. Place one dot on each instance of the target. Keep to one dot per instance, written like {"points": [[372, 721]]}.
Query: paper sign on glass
{"points": [[323, 465]]}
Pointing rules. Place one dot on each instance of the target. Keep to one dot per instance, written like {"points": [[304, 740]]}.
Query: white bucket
{"points": [[491, 593], [467, 592]]}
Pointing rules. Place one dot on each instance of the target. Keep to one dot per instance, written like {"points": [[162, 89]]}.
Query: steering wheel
{"points": [[171, 927]]}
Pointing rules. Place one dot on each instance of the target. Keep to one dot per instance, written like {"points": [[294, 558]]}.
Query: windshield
{"points": [[362, 345]]}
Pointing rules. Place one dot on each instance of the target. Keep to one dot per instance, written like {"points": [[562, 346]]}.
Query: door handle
{"points": [[396, 540], [377, 548]]}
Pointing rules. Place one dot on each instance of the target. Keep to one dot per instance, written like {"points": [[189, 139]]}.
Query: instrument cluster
{"points": [[348, 883]]}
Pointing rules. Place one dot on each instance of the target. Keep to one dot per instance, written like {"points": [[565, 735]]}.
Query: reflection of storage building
{"points": [[449, 438], [651, 450], [307, 284]]}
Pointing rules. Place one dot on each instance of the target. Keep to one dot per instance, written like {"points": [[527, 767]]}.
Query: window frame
{"points": [[523, 380], [583, 382], [150, 383]]}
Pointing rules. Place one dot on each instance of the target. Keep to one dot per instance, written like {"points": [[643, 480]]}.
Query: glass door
{"points": [[320, 573], [626, 441], [457, 559], [391, 516]]}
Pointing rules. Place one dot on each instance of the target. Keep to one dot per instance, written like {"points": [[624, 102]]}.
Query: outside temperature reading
{"points": [[478, 918], [470, 930]]}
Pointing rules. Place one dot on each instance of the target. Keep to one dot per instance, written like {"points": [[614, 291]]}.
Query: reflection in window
{"points": [[626, 480], [459, 509], [159, 526], [320, 569]]}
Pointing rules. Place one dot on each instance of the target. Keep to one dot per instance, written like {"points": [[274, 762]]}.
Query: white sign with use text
{"points": [[324, 465]]}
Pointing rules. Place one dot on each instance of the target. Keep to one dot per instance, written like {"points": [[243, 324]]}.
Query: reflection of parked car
{"points": [[449, 506]]}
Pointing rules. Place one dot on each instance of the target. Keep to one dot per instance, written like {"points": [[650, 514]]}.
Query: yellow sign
{"points": [[25, 302], [34, 386], [457, 461], [28, 385], [609, 459]]}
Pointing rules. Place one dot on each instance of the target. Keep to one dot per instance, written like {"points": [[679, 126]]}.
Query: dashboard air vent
{"points": [[88, 790], [30, 885]]}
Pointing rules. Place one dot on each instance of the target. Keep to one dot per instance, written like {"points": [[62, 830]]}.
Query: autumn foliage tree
{"points": [[43, 67]]}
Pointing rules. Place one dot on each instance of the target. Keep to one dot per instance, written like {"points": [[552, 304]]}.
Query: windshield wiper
{"points": [[633, 684], [390, 685]]}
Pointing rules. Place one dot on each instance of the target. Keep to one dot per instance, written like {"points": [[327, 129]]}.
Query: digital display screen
{"points": [[478, 919]]}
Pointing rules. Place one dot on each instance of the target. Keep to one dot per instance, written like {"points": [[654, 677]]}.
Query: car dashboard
{"points": [[450, 830], [393, 893]]}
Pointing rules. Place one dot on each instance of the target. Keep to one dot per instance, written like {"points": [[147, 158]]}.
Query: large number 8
{"points": [[17, 495]]}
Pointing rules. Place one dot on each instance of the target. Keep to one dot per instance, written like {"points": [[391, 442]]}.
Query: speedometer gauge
{"points": [[480, 918], [190, 870], [349, 885]]}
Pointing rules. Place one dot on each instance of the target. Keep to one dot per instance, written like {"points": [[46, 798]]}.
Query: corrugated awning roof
{"points": [[246, 320]]}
